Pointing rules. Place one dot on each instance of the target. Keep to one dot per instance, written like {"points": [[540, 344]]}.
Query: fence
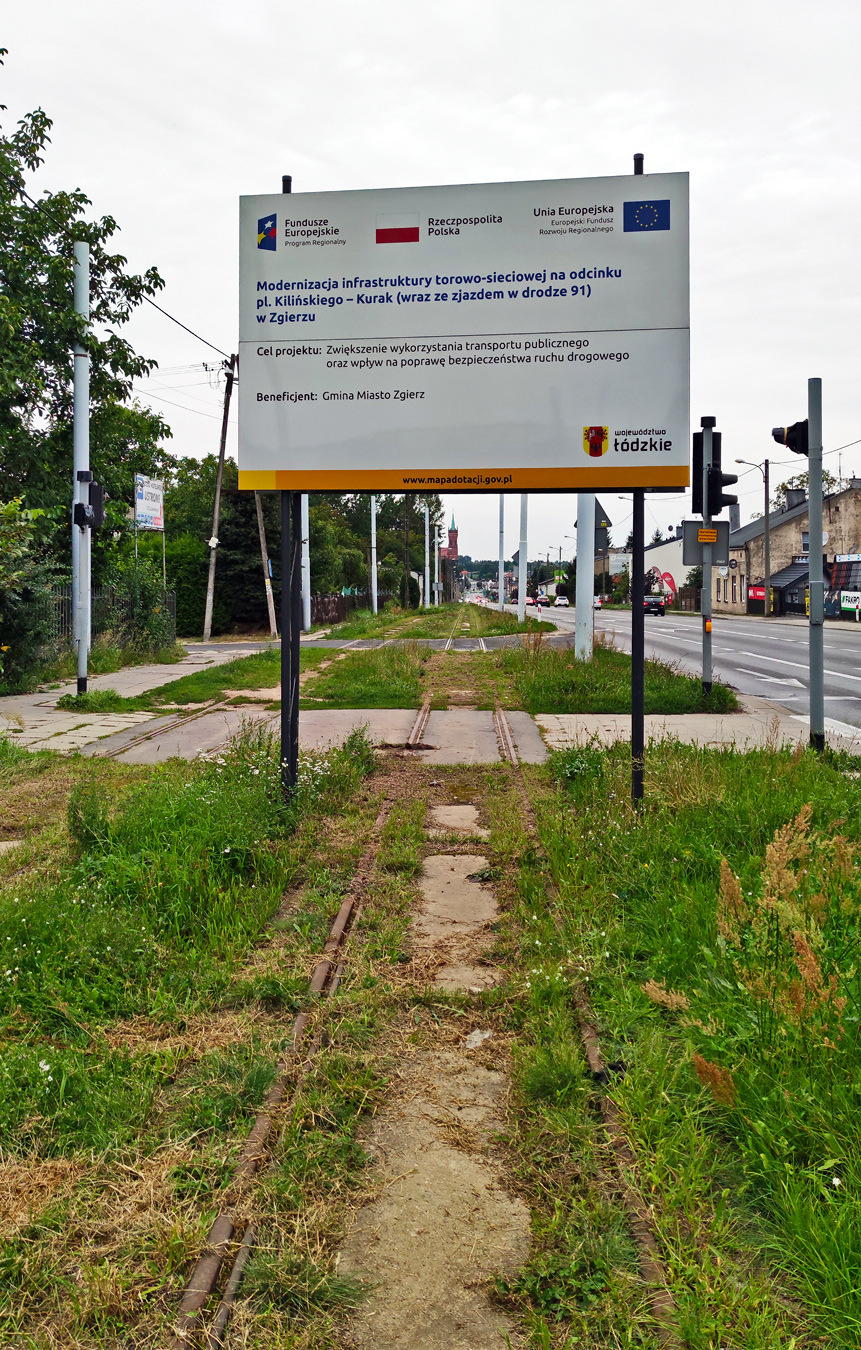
{"points": [[113, 612], [688, 597], [335, 608]]}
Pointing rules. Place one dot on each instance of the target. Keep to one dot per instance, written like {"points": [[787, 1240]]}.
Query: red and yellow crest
{"points": [[596, 440]]}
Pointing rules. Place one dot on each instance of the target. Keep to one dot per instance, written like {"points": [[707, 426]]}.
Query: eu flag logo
{"points": [[266, 232], [646, 216]]}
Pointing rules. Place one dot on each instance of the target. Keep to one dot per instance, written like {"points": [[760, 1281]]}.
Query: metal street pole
{"points": [[373, 553], [81, 535], [521, 559], [585, 587], [436, 567], [264, 554], [427, 556], [707, 424], [767, 603], [306, 565], [216, 510], [817, 581], [501, 597], [638, 653]]}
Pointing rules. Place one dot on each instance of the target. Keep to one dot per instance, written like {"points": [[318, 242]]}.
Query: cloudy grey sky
{"points": [[165, 113]]}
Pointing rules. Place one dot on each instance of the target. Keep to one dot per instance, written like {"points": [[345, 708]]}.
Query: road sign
{"points": [[517, 336], [149, 503], [693, 540]]}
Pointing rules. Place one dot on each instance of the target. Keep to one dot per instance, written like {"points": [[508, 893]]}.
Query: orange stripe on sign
{"points": [[569, 479]]}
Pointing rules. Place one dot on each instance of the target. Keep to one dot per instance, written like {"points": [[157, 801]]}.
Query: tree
{"points": [[38, 330], [25, 579], [695, 578], [657, 538], [830, 483]]}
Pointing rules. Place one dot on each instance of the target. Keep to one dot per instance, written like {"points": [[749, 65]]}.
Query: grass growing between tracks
{"points": [[717, 938], [140, 1017], [436, 622], [549, 680], [390, 677]]}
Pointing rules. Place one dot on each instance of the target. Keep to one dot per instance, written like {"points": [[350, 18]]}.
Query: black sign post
{"points": [[291, 621]]}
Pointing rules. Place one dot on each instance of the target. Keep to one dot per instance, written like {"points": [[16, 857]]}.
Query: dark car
{"points": [[654, 604]]}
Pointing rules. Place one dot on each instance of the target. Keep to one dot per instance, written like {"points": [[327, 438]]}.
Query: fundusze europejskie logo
{"points": [[266, 229], [645, 216]]}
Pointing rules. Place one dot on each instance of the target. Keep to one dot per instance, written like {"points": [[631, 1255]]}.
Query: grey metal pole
{"points": [[306, 566], [585, 589], [373, 553], [707, 424], [216, 510], [427, 555], [638, 653], [436, 567], [500, 601], [767, 602], [521, 558], [264, 554], [81, 537], [817, 581]]}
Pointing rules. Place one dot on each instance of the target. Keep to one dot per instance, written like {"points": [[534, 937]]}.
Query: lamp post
{"points": [[763, 469]]}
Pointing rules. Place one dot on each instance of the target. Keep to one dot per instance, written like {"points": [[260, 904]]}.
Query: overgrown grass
{"points": [[389, 677], [718, 946], [549, 680], [260, 671], [437, 622]]}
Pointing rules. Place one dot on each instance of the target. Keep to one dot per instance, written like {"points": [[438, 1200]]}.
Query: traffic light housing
{"points": [[697, 474], [98, 497], [718, 499], [794, 437]]}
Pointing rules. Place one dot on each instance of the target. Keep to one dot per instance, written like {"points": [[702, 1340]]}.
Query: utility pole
{"points": [[816, 576], [373, 553], [427, 556], [436, 566], [585, 589], [81, 510], [501, 597], [264, 554], [764, 470], [216, 510], [306, 565], [521, 559]]}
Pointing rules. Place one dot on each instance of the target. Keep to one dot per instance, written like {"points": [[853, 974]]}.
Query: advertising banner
{"points": [[149, 503], [850, 600], [518, 336]]}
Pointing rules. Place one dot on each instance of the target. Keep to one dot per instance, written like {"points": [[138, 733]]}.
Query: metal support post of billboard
{"points": [[638, 652], [291, 617], [521, 559], [264, 556], [427, 556], [216, 510], [306, 565], [501, 597], [373, 553], [585, 589], [816, 570], [707, 424], [81, 534]]}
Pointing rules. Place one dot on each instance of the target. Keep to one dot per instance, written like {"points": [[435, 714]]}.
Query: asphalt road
{"points": [[765, 657]]}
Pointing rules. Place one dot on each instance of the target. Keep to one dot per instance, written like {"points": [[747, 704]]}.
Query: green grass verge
{"points": [[719, 948], [548, 680], [260, 671], [389, 677], [472, 621]]}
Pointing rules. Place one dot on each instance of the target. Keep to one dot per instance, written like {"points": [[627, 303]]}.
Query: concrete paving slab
{"points": [[527, 738], [109, 743], [456, 820], [460, 736], [452, 904], [69, 732], [196, 737], [322, 727], [7, 844]]}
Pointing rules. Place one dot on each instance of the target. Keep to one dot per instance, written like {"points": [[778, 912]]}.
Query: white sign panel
{"points": [[149, 503], [850, 599], [523, 336]]}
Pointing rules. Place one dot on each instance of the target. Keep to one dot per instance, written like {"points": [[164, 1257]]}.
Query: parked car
{"points": [[654, 604], [561, 602]]}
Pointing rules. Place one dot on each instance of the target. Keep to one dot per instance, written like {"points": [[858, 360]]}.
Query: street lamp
{"points": [[763, 469]]}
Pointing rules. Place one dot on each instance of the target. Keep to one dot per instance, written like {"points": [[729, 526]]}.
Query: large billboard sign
{"points": [[517, 336]]}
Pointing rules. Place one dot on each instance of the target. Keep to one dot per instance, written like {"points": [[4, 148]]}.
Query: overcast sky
{"points": [[165, 113]]}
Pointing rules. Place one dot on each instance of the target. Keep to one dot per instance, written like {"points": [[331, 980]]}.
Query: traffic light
{"points": [[98, 497], [794, 437], [697, 474], [718, 499]]}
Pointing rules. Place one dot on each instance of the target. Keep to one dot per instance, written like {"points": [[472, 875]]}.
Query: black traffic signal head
{"points": [[718, 499], [697, 467], [98, 497], [794, 437]]}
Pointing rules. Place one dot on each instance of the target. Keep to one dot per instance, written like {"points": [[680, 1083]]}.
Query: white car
{"points": [[561, 602]]}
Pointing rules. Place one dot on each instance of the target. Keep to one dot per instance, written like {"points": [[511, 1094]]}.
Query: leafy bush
{"points": [[25, 581]]}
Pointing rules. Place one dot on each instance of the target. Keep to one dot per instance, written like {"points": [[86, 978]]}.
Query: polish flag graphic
{"points": [[397, 229]]}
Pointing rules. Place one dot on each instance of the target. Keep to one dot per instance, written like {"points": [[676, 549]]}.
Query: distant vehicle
{"points": [[530, 600], [654, 604], [561, 602], [596, 602]]}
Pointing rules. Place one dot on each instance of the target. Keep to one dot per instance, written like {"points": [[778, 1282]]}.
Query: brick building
{"points": [[741, 589], [450, 551]]}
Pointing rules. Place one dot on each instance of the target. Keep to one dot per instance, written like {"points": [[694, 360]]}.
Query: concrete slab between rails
{"points": [[323, 727], [460, 736], [527, 738], [199, 736], [760, 724]]}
